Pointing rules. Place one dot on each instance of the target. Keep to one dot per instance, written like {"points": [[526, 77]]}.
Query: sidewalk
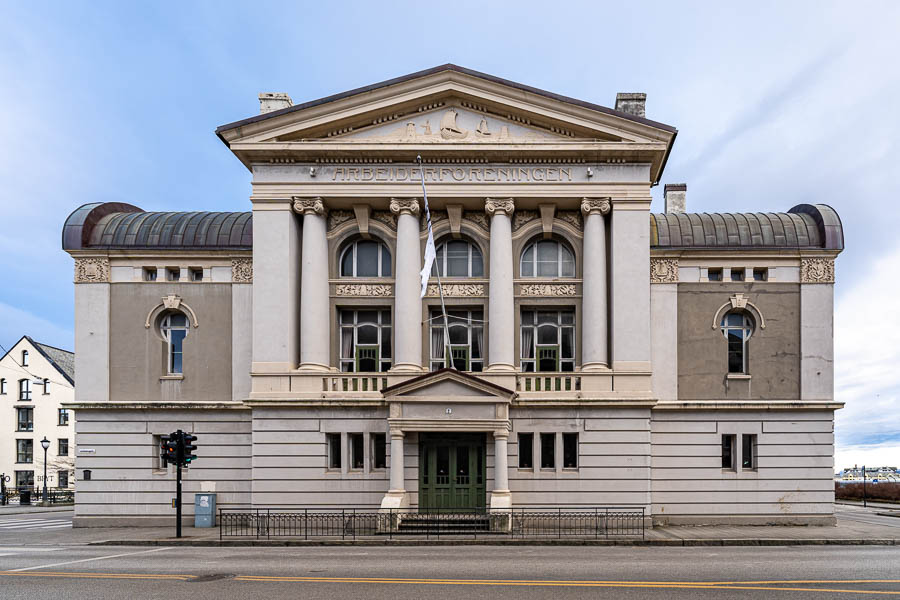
{"points": [[15, 509]]}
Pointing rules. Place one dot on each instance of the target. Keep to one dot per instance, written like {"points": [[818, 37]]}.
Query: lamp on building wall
{"points": [[45, 443]]}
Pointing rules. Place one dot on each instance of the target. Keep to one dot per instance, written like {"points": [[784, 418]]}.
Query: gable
{"points": [[447, 383], [445, 388]]}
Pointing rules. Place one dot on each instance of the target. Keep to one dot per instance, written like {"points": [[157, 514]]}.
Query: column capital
{"points": [[309, 206], [405, 206], [500, 206], [501, 434], [595, 206], [397, 434]]}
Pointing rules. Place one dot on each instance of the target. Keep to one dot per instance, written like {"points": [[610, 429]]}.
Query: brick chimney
{"points": [[631, 103], [676, 197], [271, 101]]}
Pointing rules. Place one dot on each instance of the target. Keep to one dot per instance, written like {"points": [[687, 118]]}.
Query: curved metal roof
{"points": [[122, 226], [804, 226]]}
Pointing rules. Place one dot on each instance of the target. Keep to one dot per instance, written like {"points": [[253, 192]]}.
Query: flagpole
{"points": [[448, 350]]}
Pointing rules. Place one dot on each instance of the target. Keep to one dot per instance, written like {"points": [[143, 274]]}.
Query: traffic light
{"points": [[188, 447], [168, 449]]}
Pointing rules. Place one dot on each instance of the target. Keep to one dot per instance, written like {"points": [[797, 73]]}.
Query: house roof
{"points": [[62, 360]]}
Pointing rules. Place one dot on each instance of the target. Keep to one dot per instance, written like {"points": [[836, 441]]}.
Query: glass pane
{"points": [[477, 262], [386, 317], [547, 317], [385, 261], [568, 342], [570, 450], [367, 334], [386, 342], [568, 262], [177, 320], [438, 266], [547, 334], [734, 320], [527, 317], [459, 334], [727, 451], [368, 362], [367, 316], [457, 259], [367, 259], [477, 334], [548, 450], [176, 362], [346, 316], [528, 262], [346, 342], [443, 465], [526, 450], [347, 263], [547, 251], [462, 465], [380, 446], [356, 448], [567, 318], [747, 451]]}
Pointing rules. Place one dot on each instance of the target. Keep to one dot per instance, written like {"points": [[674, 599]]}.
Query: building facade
{"points": [[35, 381], [598, 355]]}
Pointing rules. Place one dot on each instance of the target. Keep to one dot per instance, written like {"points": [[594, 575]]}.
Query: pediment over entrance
{"points": [[446, 384]]}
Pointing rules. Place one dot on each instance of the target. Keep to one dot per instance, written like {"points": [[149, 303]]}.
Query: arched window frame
{"points": [[737, 327], [563, 251], [25, 389], [384, 258], [24, 358], [174, 334], [474, 259], [2, 387]]}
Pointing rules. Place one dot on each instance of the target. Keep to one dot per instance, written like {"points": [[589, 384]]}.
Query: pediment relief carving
{"points": [[448, 383]]}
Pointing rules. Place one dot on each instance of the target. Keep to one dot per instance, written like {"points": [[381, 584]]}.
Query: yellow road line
{"points": [[159, 576]]}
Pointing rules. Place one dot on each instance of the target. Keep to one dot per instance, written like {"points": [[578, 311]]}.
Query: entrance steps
{"points": [[433, 524]]}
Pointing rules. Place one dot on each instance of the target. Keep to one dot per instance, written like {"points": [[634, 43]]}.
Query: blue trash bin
{"points": [[204, 510]]}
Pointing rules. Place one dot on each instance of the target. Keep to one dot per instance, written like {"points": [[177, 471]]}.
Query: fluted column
{"points": [[501, 305], [594, 309], [500, 495], [407, 287], [315, 335]]}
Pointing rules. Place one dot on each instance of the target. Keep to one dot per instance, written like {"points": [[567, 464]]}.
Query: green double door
{"points": [[451, 471]]}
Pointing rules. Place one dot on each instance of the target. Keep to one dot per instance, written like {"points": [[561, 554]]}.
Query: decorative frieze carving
{"points": [[91, 270], [337, 217], [523, 217], [590, 205], [364, 289], [456, 290], [548, 289], [663, 270], [242, 270], [385, 216], [401, 206], [572, 217], [477, 217], [436, 215], [309, 206], [503, 206], [817, 270]]}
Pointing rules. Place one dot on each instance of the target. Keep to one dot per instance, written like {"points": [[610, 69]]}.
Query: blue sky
{"points": [[776, 104]]}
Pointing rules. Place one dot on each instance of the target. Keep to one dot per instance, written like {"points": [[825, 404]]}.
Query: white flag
{"points": [[430, 252]]}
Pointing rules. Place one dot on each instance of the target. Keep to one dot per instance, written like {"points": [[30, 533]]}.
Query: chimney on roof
{"points": [[271, 101], [676, 197], [632, 103]]}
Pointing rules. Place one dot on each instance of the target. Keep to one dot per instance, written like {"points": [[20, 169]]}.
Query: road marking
{"points": [[72, 562], [156, 576], [21, 521], [27, 549]]}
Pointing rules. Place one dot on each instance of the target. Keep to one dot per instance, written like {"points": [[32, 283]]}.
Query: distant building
{"points": [[35, 381], [872, 474]]}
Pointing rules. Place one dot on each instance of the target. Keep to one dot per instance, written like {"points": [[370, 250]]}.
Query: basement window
{"points": [[748, 451], [357, 458]]}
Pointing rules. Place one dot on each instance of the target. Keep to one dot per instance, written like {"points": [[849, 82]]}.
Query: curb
{"points": [[551, 542], [49, 509]]}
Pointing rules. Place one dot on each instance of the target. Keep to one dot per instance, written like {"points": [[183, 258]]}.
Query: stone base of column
{"points": [[406, 368], [501, 368], [501, 511], [595, 366], [395, 500], [314, 368], [501, 500]]}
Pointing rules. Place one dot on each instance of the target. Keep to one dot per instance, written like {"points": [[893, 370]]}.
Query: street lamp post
{"points": [[45, 443]]}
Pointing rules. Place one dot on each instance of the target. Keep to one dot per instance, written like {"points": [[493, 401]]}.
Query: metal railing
{"points": [[35, 496], [355, 523]]}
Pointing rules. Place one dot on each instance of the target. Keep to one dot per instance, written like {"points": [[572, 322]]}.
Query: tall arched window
{"points": [[737, 328], [24, 389], [458, 258], [547, 258], [366, 258], [174, 328], [24, 358]]}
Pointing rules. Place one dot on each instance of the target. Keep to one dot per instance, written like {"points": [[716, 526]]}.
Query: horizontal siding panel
{"points": [[742, 415], [687, 450], [616, 424], [798, 426], [739, 509], [745, 496], [741, 485], [787, 450], [657, 426], [285, 425], [686, 462]]}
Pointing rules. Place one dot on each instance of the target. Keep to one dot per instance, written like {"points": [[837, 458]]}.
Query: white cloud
{"points": [[879, 455]]}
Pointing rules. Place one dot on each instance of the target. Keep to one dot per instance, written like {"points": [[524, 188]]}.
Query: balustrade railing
{"points": [[354, 382], [548, 382]]}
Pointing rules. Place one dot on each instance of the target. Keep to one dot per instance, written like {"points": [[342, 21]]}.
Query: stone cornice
{"points": [[500, 206], [405, 206]]}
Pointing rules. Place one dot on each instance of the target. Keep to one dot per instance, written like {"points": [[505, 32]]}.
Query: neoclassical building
{"points": [[599, 354]]}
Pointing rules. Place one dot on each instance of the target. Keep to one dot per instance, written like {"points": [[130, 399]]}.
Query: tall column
{"points": [[315, 332], [407, 287], [500, 496], [501, 304], [595, 316], [396, 497]]}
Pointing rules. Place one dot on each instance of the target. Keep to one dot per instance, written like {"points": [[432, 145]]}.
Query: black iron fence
{"points": [[26, 496], [356, 523]]}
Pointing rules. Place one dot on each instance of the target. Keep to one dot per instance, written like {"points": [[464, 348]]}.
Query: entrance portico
{"points": [[453, 413]]}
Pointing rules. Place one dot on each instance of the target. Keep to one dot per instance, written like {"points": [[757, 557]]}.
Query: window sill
{"points": [[171, 378], [738, 376]]}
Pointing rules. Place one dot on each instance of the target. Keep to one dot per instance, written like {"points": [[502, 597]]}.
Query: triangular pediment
{"points": [[447, 383]]}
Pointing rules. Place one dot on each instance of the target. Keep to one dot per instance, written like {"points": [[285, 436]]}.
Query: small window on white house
{"points": [[333, 441], [24, 358], [149, 273], [3, 387], [174, 328], [173, 274], [63, 449], [63, 416], [46, 386], [63, 478], [24, 389], [748, 451], [728, 451], [196, 273], [357, 446]]}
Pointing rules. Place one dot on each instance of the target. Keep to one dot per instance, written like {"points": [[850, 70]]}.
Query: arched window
{"points": [[174, 328], [737, 328], [366, 258], [24, 389], [547, 258], [3, 387], [458, 258], [24, 358]]}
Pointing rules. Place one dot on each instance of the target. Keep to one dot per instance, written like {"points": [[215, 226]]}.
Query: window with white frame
{"points": [[62, 416], [62, 478], [548, 340], [24, 389], [365, 341], [466, 340], [24, 451], [46, 386], [25, 419], [174, 328], [748, 451], [3, 387], [737, 328], [63, 447], [547, 258], [458, 258], [24, 358], [366, 258]]}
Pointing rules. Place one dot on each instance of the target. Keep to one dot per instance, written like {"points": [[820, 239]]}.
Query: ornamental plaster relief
{"points": [[242, 270], [817, 270], [385, 216], [454, 290], [436, 215], [338, 217], [572, 217], [364, 289], [548, 289], [477, 217], [522, 218], [91, 270], [663, 270], [400, 206], [309, 206]]}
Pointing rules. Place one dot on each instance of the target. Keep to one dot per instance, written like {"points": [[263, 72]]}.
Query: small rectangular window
{"points": [[24, 358], [63, 416], [46, 386], [25, 389], [570, 450], [196, 273], [760, 274], [526, 450], [63, 449], [149, 273], [334, 450], [548, 450], [379, 451], [728, 443], [357, 458], [25, 418], [24, 478], [737, 273], [3, 387], [714, 274], [24, 451], [748, 451], [173, 274], [62, 478]]}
